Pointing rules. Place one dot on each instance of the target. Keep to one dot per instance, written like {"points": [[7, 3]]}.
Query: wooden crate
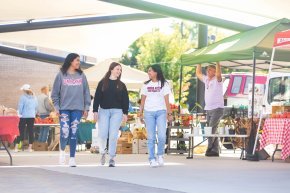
{"points": [[38, 146], [281, 109], [123, 147]]}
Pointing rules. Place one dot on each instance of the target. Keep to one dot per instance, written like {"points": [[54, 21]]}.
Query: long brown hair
{"points": [[107, 77]]}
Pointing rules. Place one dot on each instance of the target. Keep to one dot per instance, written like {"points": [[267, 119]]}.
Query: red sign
{"points": [[282, 38]]}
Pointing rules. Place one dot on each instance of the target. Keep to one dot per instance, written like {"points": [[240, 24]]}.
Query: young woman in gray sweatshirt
{"points": [[71, 99]]}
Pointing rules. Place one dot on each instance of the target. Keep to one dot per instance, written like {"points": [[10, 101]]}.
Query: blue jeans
{"points": [[43, 131], [69, 120], [109, 124], [155, 119]]}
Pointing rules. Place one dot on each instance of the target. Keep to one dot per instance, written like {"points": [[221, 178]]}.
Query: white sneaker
{"points": [[30, 148], [62, 157], [72, 162], [160, 161], [153, 163]]}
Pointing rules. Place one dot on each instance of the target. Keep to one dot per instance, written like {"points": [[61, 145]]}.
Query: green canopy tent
{"points": [[238, 51], [248, 50]]}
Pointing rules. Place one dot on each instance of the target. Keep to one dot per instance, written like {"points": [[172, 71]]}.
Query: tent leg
{"points": [[253, 102], [180, 87]]}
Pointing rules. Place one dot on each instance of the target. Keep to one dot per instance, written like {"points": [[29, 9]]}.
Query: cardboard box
{"points": [[140, 146], [38, 146], [135, 146]]}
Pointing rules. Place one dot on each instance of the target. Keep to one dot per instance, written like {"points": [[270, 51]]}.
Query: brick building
{"points": [[15, 71]]}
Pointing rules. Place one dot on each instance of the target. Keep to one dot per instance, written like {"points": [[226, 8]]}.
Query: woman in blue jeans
{"points": [[155, 103], [111, 104], [71, 99]]}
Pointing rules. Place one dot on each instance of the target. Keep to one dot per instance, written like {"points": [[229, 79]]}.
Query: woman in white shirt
{"points": [[155, 103]]}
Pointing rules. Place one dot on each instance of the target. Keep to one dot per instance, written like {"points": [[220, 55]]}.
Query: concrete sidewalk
{"points": [[34, 171]]}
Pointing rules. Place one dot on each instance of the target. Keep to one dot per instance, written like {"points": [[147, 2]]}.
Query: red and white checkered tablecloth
{"points": [[277, 131]]}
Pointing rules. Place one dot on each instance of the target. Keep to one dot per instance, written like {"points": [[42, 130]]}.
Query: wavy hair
{"points": [[160, 77], [67, 63], [106, 78]]}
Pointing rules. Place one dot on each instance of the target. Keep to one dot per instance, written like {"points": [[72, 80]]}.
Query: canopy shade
{"points": [[237, 51], [132, 77]]}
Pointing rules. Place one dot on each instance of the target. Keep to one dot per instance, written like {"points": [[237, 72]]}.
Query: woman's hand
{"points": [[141, 117], [125, 118], [96, 116], [85, 114], [57, 113], [169, 117]]}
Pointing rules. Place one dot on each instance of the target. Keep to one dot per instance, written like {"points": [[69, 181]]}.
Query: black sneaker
{"points": [[212, 154], [112, 163]]}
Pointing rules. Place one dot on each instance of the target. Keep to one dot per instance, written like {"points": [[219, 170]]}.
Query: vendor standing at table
{"points": [[27, 109], [45, 107], [214, 102]]}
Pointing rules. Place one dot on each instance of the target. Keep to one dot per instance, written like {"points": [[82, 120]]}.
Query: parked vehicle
{"points": [[236, 89]]}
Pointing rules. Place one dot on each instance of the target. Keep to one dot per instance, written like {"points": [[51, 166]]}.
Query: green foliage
{"points": [[166, 49]]}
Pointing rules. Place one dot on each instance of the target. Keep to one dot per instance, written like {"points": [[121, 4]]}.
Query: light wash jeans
{"points": [[155, 119], [69, 120], [43, 131], [109, 121]]}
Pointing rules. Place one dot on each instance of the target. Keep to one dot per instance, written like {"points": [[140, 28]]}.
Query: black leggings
{"points": [[29, 124]]}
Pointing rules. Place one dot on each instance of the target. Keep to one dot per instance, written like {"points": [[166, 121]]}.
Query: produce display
{"points": [[47, 120], [174, 108], [131, 117], [282, 115], [5, 111]]}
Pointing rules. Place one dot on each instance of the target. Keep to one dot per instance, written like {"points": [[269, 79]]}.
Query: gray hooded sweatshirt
{"points": [[71, 92]]}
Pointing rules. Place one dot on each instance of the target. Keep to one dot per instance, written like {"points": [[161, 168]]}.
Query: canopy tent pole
{"points": [[264, 99], [268, 76], [180, 87], [37, 56], [36, 25], [253, 97], [181, 14]]}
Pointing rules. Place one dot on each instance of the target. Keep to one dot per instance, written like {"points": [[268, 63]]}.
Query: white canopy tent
{"points": [[133, 78]]}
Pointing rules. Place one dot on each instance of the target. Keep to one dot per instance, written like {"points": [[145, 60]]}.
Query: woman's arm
{"points": [[55, 93], [87, 95], [125, 103], [169, 112]]}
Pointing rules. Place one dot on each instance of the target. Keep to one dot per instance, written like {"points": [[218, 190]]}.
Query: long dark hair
{"points": [[67, 63], [160, 77], [106, 78]]}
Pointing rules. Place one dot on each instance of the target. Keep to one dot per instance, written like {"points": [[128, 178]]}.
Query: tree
{"points": [[163, 49], [166, 50]]}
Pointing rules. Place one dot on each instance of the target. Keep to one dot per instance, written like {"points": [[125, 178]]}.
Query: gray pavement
{"points": [[38, 172]]}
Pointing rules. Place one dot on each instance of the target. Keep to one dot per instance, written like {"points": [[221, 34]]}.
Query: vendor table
{"points": [[8, 131], [84, 132], [191, 136], [277, 132]]}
